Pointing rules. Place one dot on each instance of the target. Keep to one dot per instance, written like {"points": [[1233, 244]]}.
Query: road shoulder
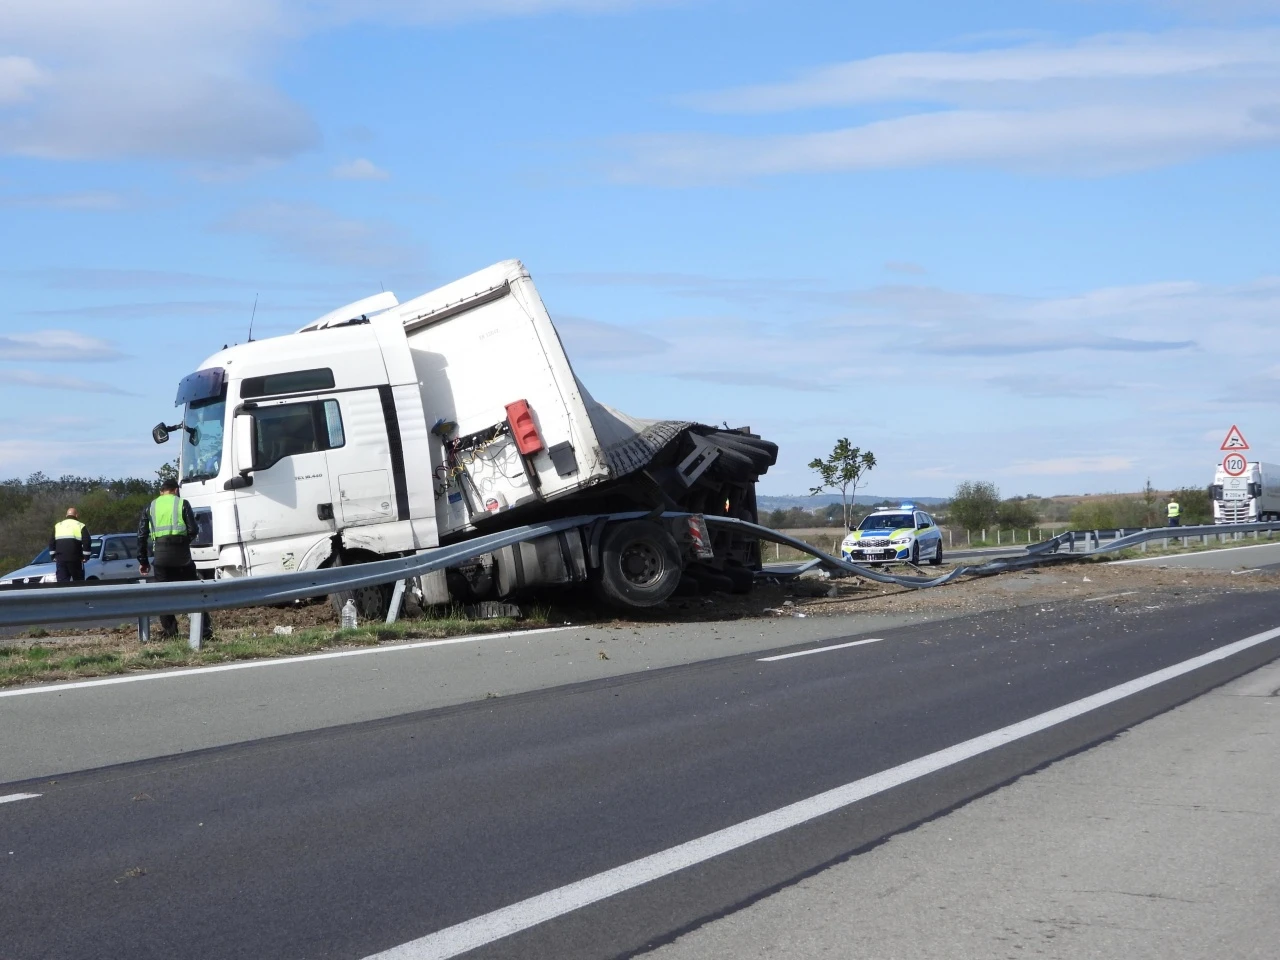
{"points": [[1157, 844]]}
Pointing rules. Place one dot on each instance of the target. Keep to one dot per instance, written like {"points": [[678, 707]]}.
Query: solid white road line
{"points": [[276, 662], [18, 796], [470, 934], [805, 653], [1194, 553]]}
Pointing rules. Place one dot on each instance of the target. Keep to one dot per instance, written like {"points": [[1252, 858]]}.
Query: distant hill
{"points": [[765, 503]]}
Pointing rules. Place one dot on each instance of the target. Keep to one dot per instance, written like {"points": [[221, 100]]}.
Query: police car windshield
{"points": [[202, 439], [887, 521]]}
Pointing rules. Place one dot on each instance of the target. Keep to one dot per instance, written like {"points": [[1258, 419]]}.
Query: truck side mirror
{"points": [[160, 433], [243, 427]]}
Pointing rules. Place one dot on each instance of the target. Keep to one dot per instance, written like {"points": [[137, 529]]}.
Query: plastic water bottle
{"points": [[349, 619]]}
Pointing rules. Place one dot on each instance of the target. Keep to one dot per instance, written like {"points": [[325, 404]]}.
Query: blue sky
{"points": [[1029, 242]]}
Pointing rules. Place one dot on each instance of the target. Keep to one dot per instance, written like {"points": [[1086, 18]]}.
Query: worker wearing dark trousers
{"points": [[69, 546], [1175, 513], [165, 533]]}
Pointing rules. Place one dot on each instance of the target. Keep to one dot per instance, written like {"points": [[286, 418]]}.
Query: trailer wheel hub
{"points": [[641, 562]]}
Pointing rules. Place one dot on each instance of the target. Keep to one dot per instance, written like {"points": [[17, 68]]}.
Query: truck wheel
{"points": [[372, 603], [639, 565]]}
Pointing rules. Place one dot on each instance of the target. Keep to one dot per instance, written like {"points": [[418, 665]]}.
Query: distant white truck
{"points": [[383, 429], [1251, 497]]}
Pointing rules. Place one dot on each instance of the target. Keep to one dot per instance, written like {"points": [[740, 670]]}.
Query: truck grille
{"points": [[1236, 511]]}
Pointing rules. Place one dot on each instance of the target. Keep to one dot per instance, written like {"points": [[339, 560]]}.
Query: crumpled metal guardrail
{"points": [[126, 601], [27, 607], [1071, 537], [826, 560], [1046, 551]]}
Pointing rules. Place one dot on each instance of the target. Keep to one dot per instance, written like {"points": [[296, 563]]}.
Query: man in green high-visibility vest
{"points": [[68, 546], [1175, 513], [165, 533]]}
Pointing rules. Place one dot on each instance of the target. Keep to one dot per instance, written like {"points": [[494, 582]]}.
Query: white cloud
{"points": [[311, 232], [593, 340], [101, 200], [86, 455], [1100, 105], [359, 169], [1014, 74], [436, 11], [46, 381], [1064, 466], [1091, 139], [18, 77], [62, 346], [184, 80]]}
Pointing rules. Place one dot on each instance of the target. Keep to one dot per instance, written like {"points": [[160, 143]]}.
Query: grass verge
{"points": [[120, 652]]}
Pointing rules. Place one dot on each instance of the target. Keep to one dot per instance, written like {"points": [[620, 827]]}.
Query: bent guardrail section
{"points": [[125, 601]]}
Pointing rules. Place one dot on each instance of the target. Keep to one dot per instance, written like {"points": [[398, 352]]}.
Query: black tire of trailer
{"points": [[372, 603], [640, 565]]}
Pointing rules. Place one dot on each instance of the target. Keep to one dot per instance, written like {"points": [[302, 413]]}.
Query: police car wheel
{"points": [[936, 559], [915, 553]]}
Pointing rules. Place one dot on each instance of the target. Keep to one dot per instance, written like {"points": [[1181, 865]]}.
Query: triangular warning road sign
{"points": [[1234, 440]]}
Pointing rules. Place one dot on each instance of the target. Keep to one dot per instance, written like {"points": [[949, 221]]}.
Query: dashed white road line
{"points": [[485, 929], [805, 653], [1111, 596], [275, 662], [13, 797]]}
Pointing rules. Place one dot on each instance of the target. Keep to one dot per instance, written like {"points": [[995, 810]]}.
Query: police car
{"points": [[894, 535]]}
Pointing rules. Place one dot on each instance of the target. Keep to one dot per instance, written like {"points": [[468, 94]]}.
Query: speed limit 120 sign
{"points": [[1234, 464]]}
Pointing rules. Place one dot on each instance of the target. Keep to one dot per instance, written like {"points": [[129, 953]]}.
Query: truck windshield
{"points": [[202, 438]]}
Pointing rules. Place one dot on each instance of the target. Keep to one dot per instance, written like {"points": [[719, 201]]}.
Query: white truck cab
{"points": [[1251, 497], [383, 428]]}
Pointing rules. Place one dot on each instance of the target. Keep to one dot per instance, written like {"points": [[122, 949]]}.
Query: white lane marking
{"points": [[805, 653], [18, 796], [1212, 552], [274, 662], [470, 934], [1236, 573], [1111, 596]]}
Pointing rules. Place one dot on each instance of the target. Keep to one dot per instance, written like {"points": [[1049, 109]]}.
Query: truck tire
{"points": [[372, 603], [640, 565]]}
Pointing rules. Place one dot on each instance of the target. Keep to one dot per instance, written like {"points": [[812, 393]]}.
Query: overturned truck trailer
{"points": [[384, 428]]}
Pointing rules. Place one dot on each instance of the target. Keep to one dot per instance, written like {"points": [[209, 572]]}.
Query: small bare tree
{"points": [[841, 471]]}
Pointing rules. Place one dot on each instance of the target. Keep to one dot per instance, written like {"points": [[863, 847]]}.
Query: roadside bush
{"points": [[1197, 506], [975, 505], [1017, 514]]}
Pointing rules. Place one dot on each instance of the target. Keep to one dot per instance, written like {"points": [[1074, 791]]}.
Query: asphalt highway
{"points": [[364, 839]]}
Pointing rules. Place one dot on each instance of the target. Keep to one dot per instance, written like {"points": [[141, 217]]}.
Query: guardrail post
{"points": [[144, 629], [197, 630], [397, 598]]}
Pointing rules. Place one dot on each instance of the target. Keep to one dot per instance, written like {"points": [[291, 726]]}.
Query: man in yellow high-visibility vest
{"points": [[1175, 513], [69, 546], [165, 533]]}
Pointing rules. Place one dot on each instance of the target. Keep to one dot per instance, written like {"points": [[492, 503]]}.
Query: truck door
{"points": [[288, 506], [362, 469]]}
